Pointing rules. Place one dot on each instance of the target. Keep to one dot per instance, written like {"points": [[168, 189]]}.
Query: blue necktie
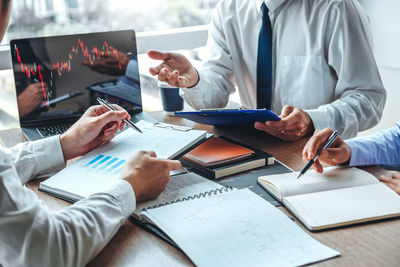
{"points": [[264, 61]]}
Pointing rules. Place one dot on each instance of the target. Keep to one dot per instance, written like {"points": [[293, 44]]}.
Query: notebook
{"points": [[217, 157], [99, 168], [236, 228], [340, 196], [216, 152]]}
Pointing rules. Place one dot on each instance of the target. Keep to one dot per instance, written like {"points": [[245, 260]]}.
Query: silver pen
{"points": [[106, 104]]}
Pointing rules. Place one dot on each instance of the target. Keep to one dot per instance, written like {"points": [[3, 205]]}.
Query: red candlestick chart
{"points": [[79, 49]]}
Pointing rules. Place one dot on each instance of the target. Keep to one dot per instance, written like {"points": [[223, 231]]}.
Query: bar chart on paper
{"points": [[103, 163]]}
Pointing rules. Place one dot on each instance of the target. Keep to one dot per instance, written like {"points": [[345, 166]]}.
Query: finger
{"points": [[316, 141], [391, 186], [173, 78], [155, 70], [152, 154], [259, 126], [111, 116], [113, 129], [163, 75], [157, 55], [174, 164], [286, 111], [318, 167], [182, 82], [384, 179], [396, 175]]}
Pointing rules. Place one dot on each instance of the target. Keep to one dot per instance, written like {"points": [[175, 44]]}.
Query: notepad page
{"points": [[166, 142], [332, 178], [237, 228], [343, 206], [180, 186]]}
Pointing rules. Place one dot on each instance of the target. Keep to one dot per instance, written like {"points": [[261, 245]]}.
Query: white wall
{"points": [[385, 26]]}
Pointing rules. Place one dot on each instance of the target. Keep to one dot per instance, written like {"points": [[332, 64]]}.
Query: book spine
{"points": [[202, 171]]}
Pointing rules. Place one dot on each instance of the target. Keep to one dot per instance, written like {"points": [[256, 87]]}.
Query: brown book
{"points": [[217, 152]]}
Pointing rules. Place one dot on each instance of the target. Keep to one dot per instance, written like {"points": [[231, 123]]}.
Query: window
{"points": [[52, 17]]}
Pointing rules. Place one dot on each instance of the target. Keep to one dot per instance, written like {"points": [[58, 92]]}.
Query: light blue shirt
{"points": [[382, 148]]}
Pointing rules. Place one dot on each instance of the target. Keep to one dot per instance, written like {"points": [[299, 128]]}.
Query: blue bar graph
{"points": [[93, 160], [108, 163], [116, 165], [101, 162]]}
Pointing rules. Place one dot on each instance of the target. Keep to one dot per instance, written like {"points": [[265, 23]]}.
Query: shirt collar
{"points": [[271, 4]]}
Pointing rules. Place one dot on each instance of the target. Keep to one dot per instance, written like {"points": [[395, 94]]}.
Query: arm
{"points": [[382, 148], [211, 85], [31, 235], [359, 93]]}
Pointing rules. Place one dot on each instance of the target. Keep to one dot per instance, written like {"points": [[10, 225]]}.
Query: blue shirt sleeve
{"points": [[382, 148]]}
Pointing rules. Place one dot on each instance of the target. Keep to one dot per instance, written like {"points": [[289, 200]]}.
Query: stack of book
{"points": [[217, 158]]}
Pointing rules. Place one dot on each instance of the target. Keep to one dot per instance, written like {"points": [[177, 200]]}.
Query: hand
{"points": [[294, 124], [338, 153], [148, 175], [175, 69], [31, 98], [393, 182], [110, 63], [97, 126]]}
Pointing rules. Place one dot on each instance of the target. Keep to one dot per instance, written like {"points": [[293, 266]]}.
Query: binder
{"points": [[235, 117]]}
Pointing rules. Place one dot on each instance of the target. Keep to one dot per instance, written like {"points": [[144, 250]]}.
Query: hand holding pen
{"points": [[109, 106], [338, 152], [314, 157]]}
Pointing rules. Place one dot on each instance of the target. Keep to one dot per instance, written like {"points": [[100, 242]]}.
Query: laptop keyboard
{"points": [[50, 130]]}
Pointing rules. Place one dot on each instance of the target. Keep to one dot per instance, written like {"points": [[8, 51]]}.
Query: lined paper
{"points": [[237, 228], [343, 206], [332, 178]]}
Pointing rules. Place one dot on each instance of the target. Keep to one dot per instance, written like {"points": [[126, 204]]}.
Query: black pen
{"points": [[328, 143], [106, 104]]}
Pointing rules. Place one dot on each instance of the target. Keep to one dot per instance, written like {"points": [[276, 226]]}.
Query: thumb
{"points": [[286, 111], [174, 164], [111, 116], [158, 55]]}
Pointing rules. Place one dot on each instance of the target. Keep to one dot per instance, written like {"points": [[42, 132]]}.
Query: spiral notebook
{"points": [[223, 226]]}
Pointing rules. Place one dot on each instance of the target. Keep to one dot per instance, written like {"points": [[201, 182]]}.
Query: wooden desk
{"points": [[372, 244]]}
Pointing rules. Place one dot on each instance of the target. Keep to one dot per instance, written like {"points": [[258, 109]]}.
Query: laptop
{"points": [[57, 78]]}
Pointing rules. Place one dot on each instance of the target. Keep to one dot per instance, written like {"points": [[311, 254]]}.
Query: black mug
{"points": [[170, 97]]}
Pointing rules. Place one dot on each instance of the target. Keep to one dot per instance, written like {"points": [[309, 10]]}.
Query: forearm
{"points": [[382, 148], [354, 111], [31, 159], [71, 237]]}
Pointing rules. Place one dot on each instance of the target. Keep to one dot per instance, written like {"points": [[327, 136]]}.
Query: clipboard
{"points": [[231, 117]]}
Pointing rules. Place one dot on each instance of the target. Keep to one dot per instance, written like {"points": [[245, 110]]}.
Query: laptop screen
{"points": [[58, 78]]}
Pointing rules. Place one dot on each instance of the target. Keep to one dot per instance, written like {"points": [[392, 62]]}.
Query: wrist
{"points": [[66, 146], [197, 78]]}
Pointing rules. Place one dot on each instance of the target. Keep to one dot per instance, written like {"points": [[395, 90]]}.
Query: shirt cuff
{"points": [[194, 95], [123, 192], [319, 118], [357, 155], [48, 155]]}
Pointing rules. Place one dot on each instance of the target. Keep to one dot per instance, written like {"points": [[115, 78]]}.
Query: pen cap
{"points": [[170, 97]]}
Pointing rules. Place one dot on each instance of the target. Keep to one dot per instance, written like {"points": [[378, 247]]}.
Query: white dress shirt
{"points": [[31, 235], [322, 61]]}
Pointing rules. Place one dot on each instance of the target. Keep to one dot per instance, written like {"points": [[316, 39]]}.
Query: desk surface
{"points": [[371, 244]]}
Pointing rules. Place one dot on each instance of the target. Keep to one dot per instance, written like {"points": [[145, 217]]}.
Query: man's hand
{"points": [[294, 124], [338, 153], [148, 175], [175, 69], [97, 126], [393, 183]]}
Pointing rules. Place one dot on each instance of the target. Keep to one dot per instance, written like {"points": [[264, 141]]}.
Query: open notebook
{"points": [[340, 196], [99, 168]]}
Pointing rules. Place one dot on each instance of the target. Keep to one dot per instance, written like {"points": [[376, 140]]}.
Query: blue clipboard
{"points": [[236, 117]]}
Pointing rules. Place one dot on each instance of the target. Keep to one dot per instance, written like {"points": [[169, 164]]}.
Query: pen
{"points": [[328, 143], [106, 104]]}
